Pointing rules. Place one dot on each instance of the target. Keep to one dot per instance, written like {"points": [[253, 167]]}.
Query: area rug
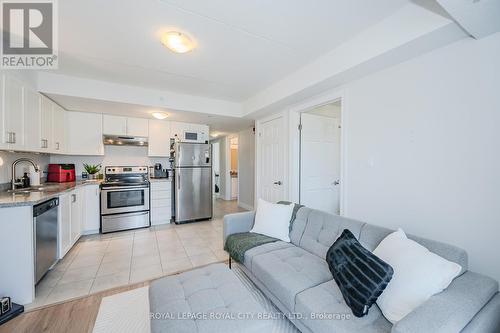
{"points": [[128, 312], [124, 312]]}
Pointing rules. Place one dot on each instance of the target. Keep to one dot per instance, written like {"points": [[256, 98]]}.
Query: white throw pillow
{"points": [[273, 220], [418, 274]]}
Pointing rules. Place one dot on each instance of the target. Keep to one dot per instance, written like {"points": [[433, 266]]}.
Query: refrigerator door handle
{"points": [[178, 179]]}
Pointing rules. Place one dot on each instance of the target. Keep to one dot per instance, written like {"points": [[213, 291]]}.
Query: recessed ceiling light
{"points": [[160, 115], [177, 42]]}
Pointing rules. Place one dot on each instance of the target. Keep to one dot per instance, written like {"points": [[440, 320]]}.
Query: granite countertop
{"points": [[29, 199]]}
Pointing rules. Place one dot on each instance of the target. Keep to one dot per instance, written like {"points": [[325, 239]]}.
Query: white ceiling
{"points": [[243, 46], [220, 125]]}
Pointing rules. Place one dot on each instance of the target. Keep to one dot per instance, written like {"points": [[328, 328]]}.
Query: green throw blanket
{"points": [[237, 244]]}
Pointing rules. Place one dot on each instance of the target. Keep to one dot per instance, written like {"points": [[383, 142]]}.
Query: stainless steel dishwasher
{"points": [[45, 236]]}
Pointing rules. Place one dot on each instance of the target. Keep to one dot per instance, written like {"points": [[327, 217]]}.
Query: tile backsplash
{"points": [[113, 155]]}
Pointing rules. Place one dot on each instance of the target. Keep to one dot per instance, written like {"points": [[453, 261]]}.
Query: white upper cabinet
{"points": [[177, 129], [32, 117], [137, 127], [58, 126], [46, 125], [13, 113], [84, 133], [159, 138], [117, 125], [114, 125]]}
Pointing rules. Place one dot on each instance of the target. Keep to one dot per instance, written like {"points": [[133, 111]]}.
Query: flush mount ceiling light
{"points": [[160, 115], [177, 42]]}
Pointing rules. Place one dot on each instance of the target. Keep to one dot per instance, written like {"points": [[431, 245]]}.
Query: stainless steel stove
{"points": [[125, 198]]}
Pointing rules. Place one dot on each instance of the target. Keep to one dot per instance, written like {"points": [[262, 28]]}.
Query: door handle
{"points": [[335, 183], [278, 182]]}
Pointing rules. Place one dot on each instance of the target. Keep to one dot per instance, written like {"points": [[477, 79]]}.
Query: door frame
{"points": [[258, 125], [229, 187], [294, 134]]}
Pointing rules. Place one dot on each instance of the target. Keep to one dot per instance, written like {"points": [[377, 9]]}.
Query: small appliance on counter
{"points": [[61, 173], [157, 171]]}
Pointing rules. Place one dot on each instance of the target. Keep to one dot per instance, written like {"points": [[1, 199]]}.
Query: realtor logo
{"points": [[29, 34]]}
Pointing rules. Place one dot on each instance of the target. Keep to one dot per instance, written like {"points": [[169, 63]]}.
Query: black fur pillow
{"points": [[360, 275]]}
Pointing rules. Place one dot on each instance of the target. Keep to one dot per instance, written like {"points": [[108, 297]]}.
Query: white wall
{"points": [[113, 155], [6, 159], [424, 148], [246, 168]]}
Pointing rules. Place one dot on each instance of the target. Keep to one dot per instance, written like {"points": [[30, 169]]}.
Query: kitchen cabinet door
{"points": [[64, 225], [91, 211], [159, 138], [46, 125], [84, 133], [114, 125], [13, 113], [137, 127], [177, 129], [32, 112], [58, 126], [76, 198]]}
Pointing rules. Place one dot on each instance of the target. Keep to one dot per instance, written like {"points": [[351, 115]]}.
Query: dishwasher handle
{"points": [[45, 206]]}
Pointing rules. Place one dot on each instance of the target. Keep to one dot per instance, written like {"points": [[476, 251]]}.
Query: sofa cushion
{"points": [[322, 229], [262, 249], [289, 271], [371, 236], [326, 299]]}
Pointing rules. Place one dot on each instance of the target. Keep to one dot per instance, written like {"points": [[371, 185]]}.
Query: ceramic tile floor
{"points": [[100, 262]]}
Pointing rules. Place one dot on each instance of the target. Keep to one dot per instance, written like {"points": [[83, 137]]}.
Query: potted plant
{"points": [[92, 169]]}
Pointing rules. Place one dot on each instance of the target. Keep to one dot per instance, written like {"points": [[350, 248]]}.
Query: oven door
{"points": [[115, 200]]}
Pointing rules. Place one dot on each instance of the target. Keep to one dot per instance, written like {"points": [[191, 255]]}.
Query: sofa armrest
{"points": [[238, 222], [452, 309]]}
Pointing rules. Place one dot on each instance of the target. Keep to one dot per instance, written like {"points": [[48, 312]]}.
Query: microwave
{"points": [[194, 136]]}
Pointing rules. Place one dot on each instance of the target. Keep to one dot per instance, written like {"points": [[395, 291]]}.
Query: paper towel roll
{"points": [[34, 177]]}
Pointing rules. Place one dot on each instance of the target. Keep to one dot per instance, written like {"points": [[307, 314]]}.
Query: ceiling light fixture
{"points": [[177, 42], [160, 115]]}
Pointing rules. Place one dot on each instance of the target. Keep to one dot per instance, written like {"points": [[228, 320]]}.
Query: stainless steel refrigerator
{"points": [[192, 182]]}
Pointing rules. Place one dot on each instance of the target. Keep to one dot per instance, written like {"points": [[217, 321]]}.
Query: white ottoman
{"points": [[205, 300]]}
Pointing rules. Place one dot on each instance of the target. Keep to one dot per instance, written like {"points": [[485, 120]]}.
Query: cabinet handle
{"points": [[73, 198], [8, 137], [57, 145]]}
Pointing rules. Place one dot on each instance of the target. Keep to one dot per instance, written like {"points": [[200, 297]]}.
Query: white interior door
{"points": [[272, 156], [320, 163]]}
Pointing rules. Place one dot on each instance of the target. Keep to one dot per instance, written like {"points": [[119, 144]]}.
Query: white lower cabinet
{"points": [[161, 194], [76, 214], [91, 211], [71, 217], [64, 241]]}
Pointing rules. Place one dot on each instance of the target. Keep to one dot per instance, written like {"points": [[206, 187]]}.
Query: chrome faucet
{"points": [[14, 164]]}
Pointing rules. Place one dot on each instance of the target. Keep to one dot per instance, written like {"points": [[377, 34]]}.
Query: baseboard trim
{"points": [[245, 206]]}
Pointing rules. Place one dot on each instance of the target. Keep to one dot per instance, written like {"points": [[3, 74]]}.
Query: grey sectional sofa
{"points": [[295, 276]]}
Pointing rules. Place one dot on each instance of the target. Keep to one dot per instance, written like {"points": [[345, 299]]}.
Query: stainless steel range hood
{"points": [[123, 140]]}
